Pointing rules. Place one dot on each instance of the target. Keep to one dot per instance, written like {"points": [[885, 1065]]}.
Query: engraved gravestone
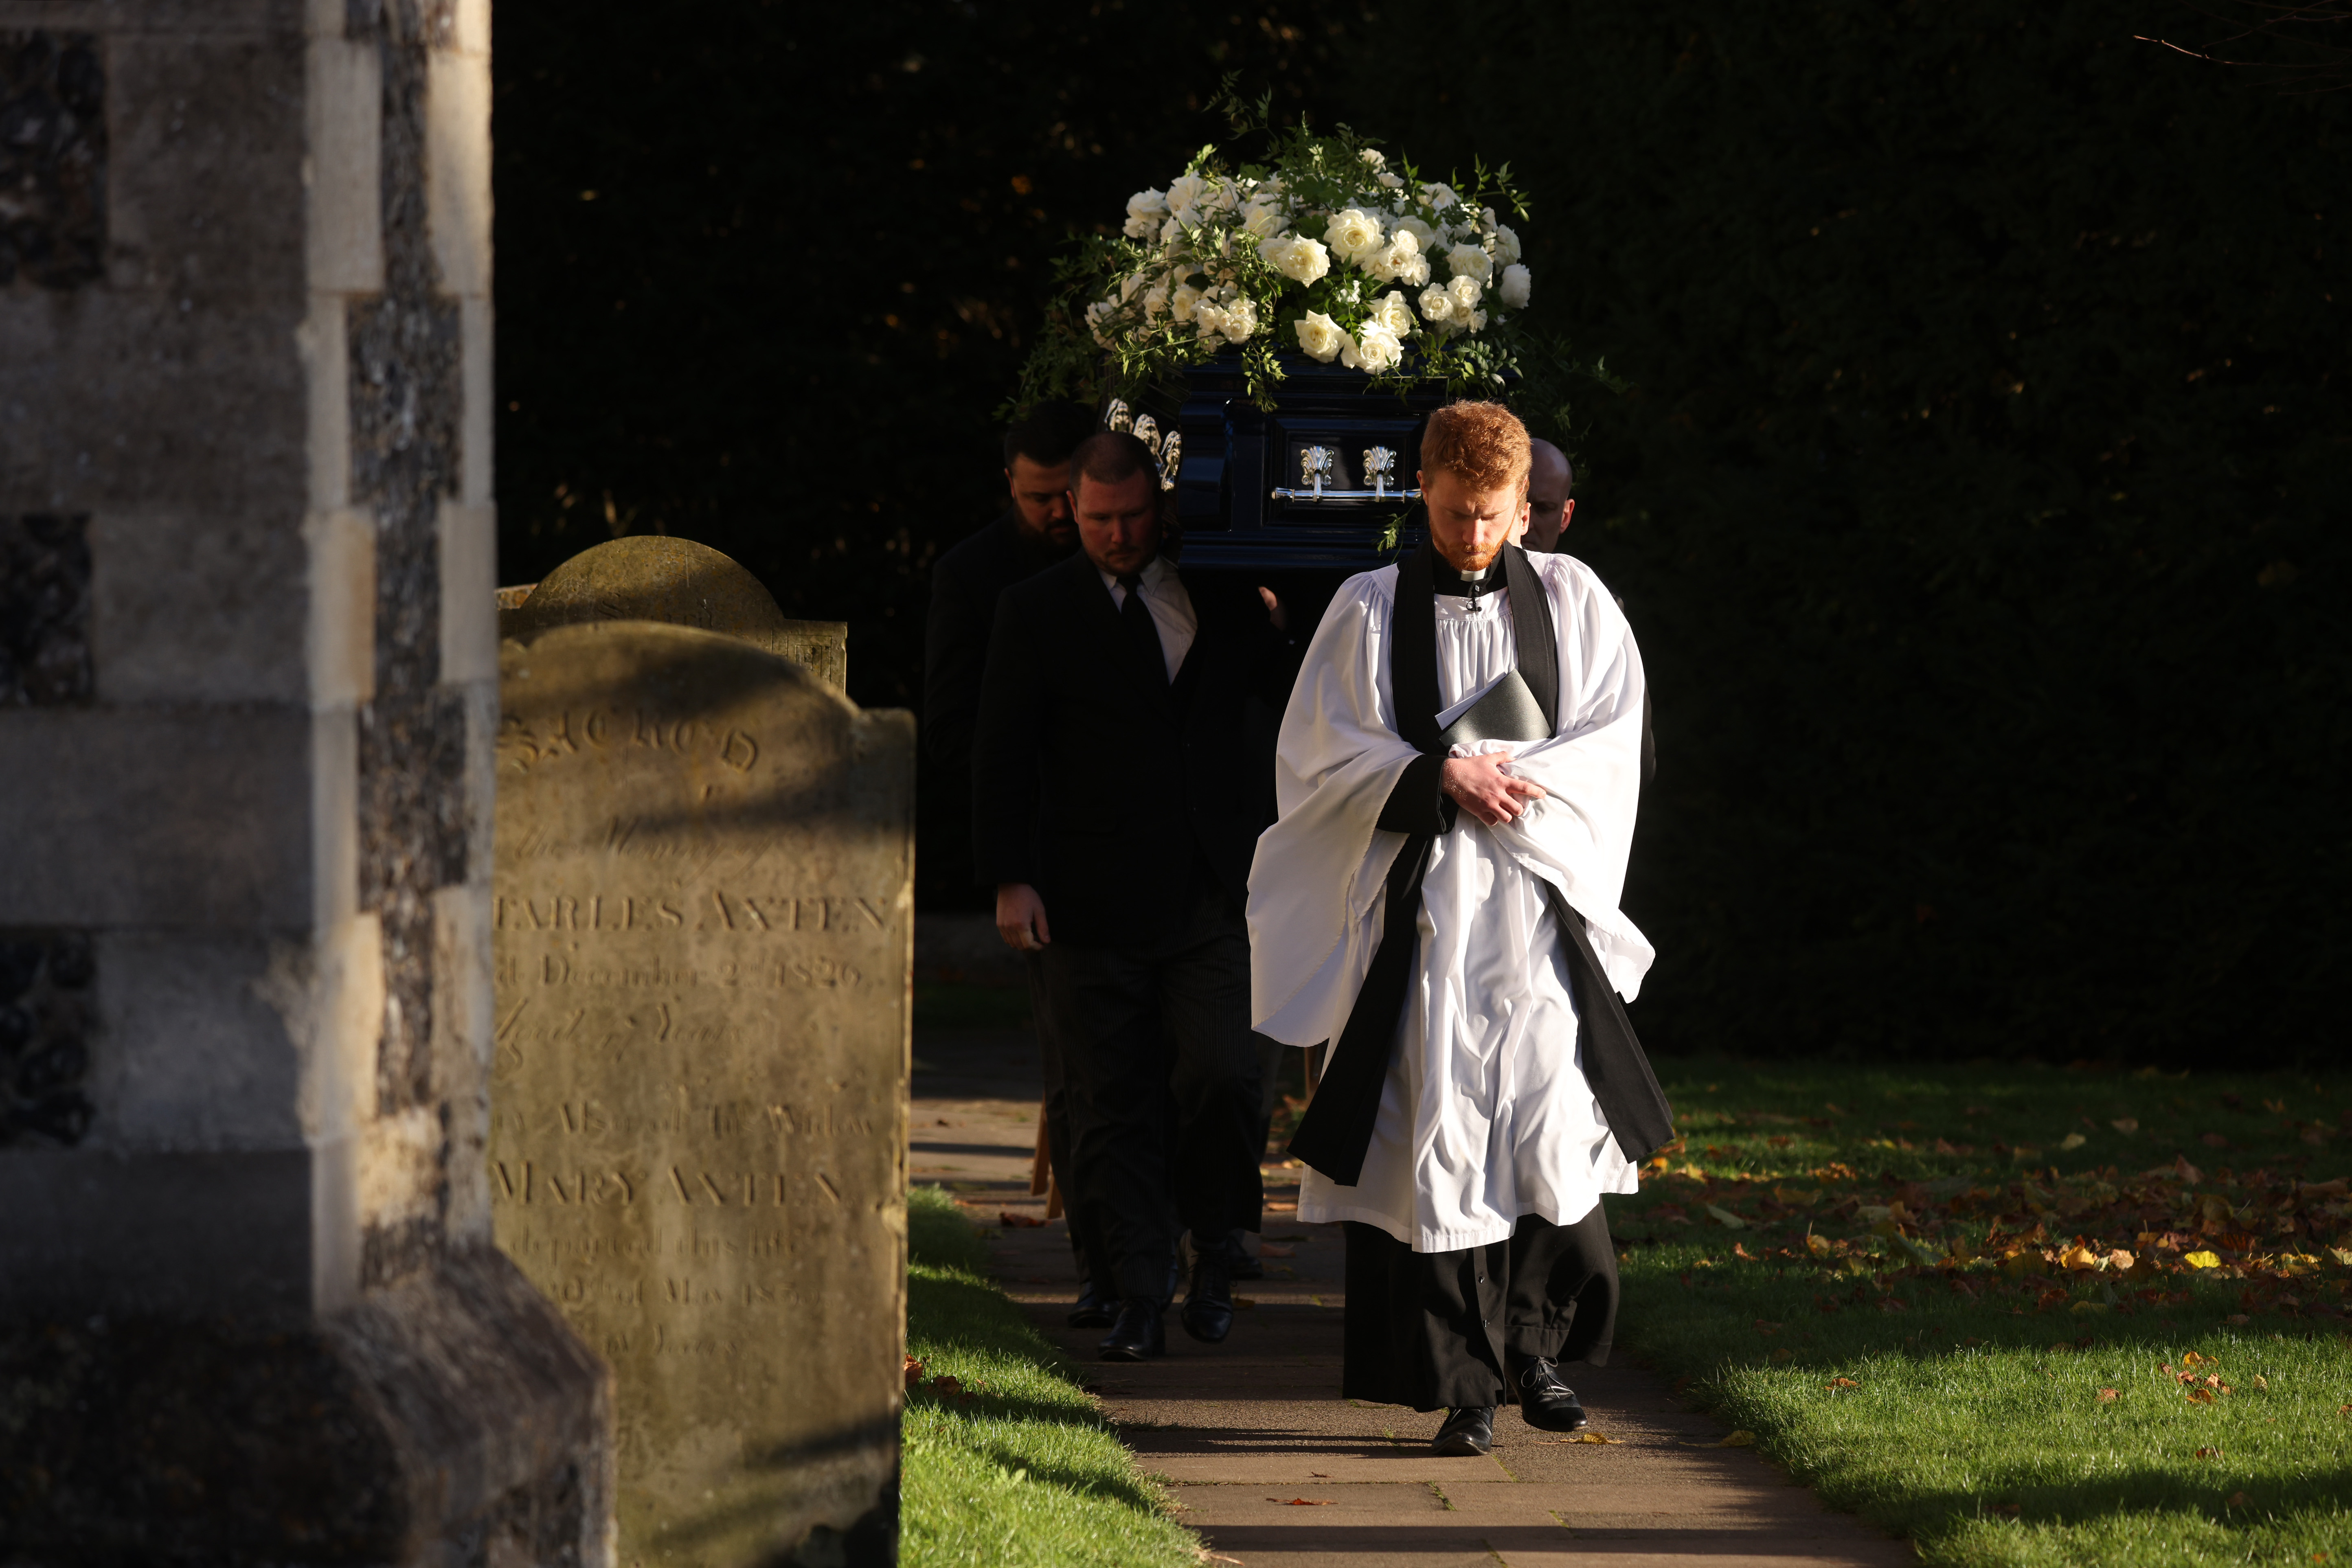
{"points": [[703, 935], [654, 577]]}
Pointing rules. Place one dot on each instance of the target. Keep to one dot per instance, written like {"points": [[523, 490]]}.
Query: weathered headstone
{"points": [[653, 577], [704, 942]]}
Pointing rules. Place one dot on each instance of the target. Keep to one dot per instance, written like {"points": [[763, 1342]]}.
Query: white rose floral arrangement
{"points": [[1333, 251]]}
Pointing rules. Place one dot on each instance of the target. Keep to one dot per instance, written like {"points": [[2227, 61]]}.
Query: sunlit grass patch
{"points": [[1007, 1459], [2026, 1316]]}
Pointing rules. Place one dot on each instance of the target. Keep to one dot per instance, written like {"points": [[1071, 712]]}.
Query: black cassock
{"points": [[1434, 1329]]}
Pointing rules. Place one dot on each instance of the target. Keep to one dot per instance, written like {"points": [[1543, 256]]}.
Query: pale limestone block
{"points": [[458, 170], [326, 18], [464, 1021], [471, 32], [190, 1055], [469, 587], [325, 345], [154, 816], [478, 425], [342, 170], [334, 816], [207, 138], [195, 398], [193, 608], [341, 637], [398, 1168]]}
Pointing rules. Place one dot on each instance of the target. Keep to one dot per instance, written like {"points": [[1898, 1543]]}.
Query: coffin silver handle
{"points": [[1284, 492]]}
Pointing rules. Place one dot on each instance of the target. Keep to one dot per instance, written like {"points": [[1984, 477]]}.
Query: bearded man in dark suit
{"points": [[1116, 804]]}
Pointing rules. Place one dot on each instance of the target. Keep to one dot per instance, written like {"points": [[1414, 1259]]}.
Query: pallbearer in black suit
{"points": [[1459, 772], [1115, 807], [1033, 533]]}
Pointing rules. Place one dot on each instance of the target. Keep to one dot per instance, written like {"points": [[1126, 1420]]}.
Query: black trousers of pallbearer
{"points": [[1161, 1076], [1436, 1330]]}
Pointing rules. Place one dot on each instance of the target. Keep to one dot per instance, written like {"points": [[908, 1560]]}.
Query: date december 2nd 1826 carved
{"points": [[702, 941]]}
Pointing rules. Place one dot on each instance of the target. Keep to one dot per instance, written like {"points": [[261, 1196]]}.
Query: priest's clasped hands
{"points": [[1480, 786]]}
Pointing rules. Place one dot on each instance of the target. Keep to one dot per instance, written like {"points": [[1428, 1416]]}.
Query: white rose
{"points": [[1466, 292], [1185, 195], [1354, 234], [1468, 263], [1171, 233], [1376, 349], [1297, 257], [1507, 244], [1241, 320], [1424, 237], [1376, 160], [1389, 181], [1392, 311], [1155, 301], [1437, 197], [1180, 303], [1149, 206], [1436, 304], [1516, 282], [1263, 220], [1208, 319], [1224, 198], [1472, 320], [1319, 337], [1097, 313]]}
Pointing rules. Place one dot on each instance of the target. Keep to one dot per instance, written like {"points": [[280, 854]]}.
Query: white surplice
{"points": [[1487, 1116]]}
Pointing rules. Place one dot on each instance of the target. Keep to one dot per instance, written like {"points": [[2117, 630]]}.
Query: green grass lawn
{"points": [[2020, 1315], [1007, 1459]]}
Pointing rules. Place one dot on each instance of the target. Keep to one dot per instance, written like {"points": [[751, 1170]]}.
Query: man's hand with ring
{"points": [[1020, 917], [1478, 784]]}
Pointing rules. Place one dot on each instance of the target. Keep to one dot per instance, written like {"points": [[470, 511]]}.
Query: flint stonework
{"points": [[703, 934]]}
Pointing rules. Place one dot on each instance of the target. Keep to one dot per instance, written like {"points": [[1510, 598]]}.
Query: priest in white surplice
{"points": [[1457, 778]]}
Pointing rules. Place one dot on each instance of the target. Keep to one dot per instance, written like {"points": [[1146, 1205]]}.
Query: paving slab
{"points": [[1275, 1470]]}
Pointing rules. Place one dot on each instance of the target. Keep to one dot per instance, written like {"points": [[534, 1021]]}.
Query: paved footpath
{"points": [[1276, 1471]]}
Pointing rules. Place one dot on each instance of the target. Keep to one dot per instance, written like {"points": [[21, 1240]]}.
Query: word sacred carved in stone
{"points": [[572, 731]]}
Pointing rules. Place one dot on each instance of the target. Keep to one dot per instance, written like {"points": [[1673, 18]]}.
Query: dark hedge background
{"points": [[1979, 498]]}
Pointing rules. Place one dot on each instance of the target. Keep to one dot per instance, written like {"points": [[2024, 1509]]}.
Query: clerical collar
{"points": [[1470, 586]]}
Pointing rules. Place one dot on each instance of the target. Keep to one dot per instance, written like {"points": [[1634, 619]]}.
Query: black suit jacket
{"points": [[965, 584], [1103, 788]]}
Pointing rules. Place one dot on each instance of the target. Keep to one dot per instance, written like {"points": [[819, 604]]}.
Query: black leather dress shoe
{"points": [[1544, 1400], [1096, 1307], [1467, 1432], [1247, 1267], [1138, 1334], [1209, 1305]]}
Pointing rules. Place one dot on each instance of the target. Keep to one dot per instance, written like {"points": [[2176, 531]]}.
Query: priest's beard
{"points": [[1469, 559]]}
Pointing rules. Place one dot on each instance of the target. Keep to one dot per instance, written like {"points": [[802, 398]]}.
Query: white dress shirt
{"points": [[1171, 607]]}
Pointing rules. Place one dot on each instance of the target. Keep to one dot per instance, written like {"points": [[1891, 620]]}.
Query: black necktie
{"points": [[1135, 617]]}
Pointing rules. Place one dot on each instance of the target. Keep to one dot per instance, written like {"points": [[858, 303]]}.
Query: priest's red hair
{"points": [[1483, 444]]}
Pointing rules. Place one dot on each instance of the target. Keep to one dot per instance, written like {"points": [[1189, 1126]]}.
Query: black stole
{"points": [[1337, 1130]]}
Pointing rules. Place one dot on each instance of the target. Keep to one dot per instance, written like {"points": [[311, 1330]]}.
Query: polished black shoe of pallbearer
{"points": [[1095, 1308], [1208, 1304], [1139, 1334], [1544, 1400], [1467, 1432]]}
